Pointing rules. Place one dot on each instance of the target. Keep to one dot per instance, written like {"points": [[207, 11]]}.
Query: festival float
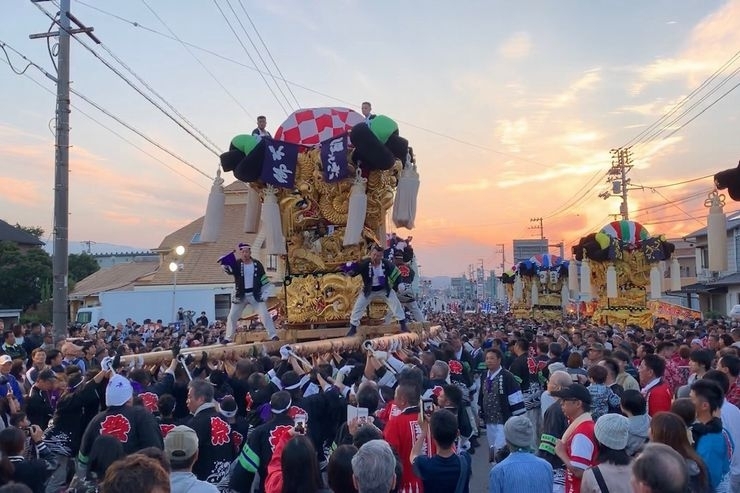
{"points": [[319, 196], [622, 269], [538, 287]]}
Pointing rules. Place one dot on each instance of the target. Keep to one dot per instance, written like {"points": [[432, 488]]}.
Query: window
{"points": [[272, 263], [704, 252], [196, 238]]}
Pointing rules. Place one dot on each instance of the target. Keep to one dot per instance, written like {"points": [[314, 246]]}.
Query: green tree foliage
{"points": [[81, 266], [34, 230], [23, 275]]}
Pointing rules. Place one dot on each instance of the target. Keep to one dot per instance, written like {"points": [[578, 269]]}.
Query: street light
{"points": [[174, 268]]}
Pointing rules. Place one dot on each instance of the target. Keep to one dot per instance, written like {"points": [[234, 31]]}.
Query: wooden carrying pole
{"points": [[218, 352]]}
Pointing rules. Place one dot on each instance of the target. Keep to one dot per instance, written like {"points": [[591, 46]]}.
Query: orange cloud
{"points": [[20, 192]]}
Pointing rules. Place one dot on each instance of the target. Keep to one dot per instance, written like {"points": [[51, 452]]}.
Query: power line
{"points": [[652, 137], [683, 101], [668, 185], [87, 100], [132, 85], [264, 79], [259, 55], [298, 105], [187, 48], [253, 68], [677, 207]]}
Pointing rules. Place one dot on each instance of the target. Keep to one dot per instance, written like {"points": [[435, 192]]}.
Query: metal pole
{"points": [[60, 262], [623, 155], [174, 294]]}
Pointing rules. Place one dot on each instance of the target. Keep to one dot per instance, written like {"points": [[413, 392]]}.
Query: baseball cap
{"points": [[574, 391], [596, 346], [180, 444], [5, 359]]}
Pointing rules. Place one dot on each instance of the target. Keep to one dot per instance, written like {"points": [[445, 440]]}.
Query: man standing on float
{"points": [[251, 288], [380, 278]]}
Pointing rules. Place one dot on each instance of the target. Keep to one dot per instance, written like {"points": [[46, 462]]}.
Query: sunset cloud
{"points": [[519, 45]]}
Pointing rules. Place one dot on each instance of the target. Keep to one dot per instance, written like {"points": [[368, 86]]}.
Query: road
{"points": [[481, 467]]}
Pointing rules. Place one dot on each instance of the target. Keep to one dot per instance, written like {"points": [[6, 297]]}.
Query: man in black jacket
{"points": [[380, 278], [215, 450], [261, 442], [251, 288], [39, 408], [135, 427]]}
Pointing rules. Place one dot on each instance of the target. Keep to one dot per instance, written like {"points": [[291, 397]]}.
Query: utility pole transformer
{"points": [[60, 258], [617, 177]]}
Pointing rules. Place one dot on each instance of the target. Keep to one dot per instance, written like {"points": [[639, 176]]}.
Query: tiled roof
{"points": [[200, 259], [120, 277], [9, 232]]}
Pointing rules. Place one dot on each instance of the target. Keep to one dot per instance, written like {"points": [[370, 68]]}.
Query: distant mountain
{"points": [[77, 247]]}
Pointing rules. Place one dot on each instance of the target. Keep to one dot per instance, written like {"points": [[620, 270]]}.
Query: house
{"points": [[717, 292], [21, 238], [199, 283]]}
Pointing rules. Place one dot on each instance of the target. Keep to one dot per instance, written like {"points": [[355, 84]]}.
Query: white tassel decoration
{"points": [[586, 278], [404, 206], [253, 210], [675, 275], [211, 227], [573, 277], [518, 289], [716, 233], [564, 296], [357, 211], [656, 281], [535, 299], [272, 222], [612, 290]]}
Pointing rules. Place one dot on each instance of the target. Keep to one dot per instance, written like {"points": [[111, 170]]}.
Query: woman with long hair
{"points": [[670, 429], [294, 467]]}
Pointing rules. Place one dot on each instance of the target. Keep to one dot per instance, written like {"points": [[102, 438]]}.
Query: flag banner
{"points": [[334, 159], [281, 160]]}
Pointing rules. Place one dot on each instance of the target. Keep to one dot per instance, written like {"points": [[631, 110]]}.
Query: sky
{"points": [[511, 107]]}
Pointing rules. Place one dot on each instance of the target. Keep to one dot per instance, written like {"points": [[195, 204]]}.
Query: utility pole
{"points": [[503, 256], [617, 177], [60, 260], [540, 226], [89, 244]]}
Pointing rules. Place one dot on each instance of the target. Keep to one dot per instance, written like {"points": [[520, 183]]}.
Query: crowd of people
{"points": [[561, 406]]}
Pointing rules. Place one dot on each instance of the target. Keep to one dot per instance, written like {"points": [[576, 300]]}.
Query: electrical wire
{"points": [[192, 54], [668, 185], [131, 84], [681, 103], [677, 207], [269, 53], [114, 132], [350, 104], [249, 55], [259, 55], [12, 67]]}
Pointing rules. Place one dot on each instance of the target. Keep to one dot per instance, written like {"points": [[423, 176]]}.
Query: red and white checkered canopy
{"points": [[311, 126]]}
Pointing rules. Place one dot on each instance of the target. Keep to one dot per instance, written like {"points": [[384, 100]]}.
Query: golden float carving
{"points": [[314, 216]]}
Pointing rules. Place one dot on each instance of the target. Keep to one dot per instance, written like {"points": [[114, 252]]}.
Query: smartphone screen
{"points": [[362, 413], [299, 423]]}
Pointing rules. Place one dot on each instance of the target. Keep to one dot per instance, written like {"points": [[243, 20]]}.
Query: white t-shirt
{"points": [[248, 271], [581, 451], [377, 274]]}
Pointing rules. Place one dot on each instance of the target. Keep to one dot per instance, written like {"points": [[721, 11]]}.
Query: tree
{"points": [[36, 231], [81, 266], [23, 273]]}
